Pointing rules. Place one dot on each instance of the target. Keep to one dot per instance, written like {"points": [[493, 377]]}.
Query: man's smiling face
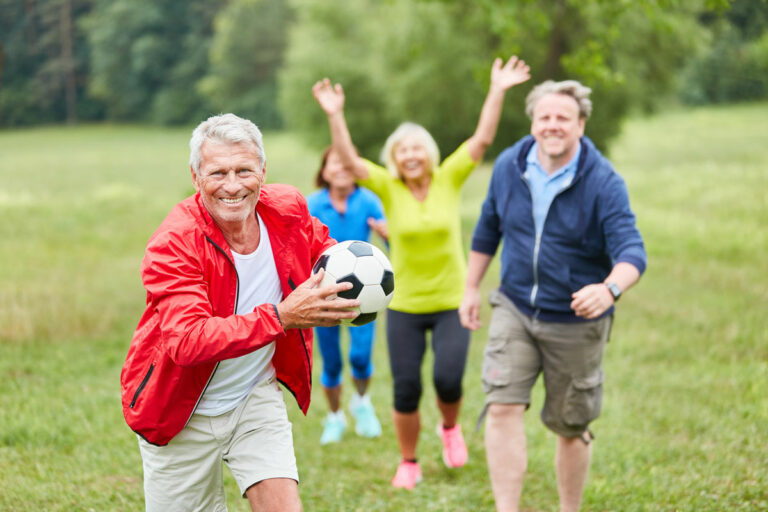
{"points": [[556, 126], [229, 181]]}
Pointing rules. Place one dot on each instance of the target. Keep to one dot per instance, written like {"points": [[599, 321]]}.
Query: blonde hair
{"points": [[571, 88], [404, 130]]}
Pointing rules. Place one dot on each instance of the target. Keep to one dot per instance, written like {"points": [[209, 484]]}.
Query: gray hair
{"points": [[224, 129], [404, 130], [571, 88]]}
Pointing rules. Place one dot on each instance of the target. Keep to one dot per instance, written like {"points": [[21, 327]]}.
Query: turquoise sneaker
{"points": [[335, 425], [366, 422]]}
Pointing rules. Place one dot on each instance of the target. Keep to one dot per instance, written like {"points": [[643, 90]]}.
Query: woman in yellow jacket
{"points": [[421, 199]]}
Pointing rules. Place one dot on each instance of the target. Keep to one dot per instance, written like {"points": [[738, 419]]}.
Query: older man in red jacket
{"points": [[224, 321]]}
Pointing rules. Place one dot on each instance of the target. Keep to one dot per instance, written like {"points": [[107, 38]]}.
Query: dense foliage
{"points": [[174, 61], [429, 61], [44, 62], [735, 67], [146, 57]]}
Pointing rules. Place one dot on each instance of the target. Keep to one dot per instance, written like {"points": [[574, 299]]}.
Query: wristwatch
{"points": [[614, 289]]}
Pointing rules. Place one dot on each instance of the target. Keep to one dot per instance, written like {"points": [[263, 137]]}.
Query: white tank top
{"points": [[235, 378]]}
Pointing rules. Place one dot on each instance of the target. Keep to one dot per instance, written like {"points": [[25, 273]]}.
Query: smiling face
{"points": [[335, 174], [229, 181], [411, 158], [557, 127]]}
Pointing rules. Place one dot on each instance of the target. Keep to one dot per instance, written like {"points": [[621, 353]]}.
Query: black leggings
{"points": [[407, 342]]}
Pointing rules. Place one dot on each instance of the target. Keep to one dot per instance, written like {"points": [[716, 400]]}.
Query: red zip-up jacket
{"points": [[189, 324]]}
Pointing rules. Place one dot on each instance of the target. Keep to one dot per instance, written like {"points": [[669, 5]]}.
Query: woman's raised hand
{"points": [[330, 97], [514, 72]]}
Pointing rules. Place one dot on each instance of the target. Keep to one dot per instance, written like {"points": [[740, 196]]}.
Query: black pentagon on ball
{"points": [[388, 282], [360, 249], [321, 262], [353, 292], [364, 318]]}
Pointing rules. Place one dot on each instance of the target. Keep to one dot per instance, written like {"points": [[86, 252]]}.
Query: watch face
{"points": [[614, 289]]}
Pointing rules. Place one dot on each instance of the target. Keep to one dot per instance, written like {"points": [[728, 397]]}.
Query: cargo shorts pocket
{"points": [[497, 371], [583, 400]]}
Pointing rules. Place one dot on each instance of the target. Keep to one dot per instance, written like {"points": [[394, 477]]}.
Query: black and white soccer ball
{"points": [[369, 271]]}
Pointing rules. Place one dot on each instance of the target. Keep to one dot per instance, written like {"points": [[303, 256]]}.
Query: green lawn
{"points": [[686, 405]]}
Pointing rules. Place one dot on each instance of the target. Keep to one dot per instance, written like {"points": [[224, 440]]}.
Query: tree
{"points": [[428, 60], [733, 66], [2, 55], [417, 69], [147, 56], [337, 41], [45, 62], [68, 61], [246, 52]]}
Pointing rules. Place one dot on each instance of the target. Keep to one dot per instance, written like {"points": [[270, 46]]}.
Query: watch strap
{"points": [[614, 289]]}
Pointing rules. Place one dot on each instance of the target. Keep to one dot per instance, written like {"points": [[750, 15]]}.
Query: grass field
{"points": [[686, 404]]}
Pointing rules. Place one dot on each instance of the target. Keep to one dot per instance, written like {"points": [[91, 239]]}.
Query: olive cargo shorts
{"points": [[568, 354]]}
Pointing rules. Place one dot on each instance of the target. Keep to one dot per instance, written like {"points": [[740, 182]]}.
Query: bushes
{"points": [[734, 67]]}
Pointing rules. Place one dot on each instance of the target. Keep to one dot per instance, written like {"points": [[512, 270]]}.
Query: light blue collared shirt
{"points": [[544, 187]]}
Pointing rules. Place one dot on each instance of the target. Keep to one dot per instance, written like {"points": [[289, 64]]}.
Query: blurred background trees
{"points": [[178, 61], [147, 56], [44, 62], [734, 66], [246, 52]]}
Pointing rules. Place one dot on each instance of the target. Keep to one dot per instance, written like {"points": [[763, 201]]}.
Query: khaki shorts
{"points": [[254, 440], [568, 354]]}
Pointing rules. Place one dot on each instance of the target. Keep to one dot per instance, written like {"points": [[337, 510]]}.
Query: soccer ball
{"points": [[369, 271]]}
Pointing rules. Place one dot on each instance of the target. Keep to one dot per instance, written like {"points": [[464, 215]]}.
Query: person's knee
{"points": [[361, 365], [331, 376], [505, 413], [274, 495], [407, 395], [505, 439], [448, 389], [329, 379]]}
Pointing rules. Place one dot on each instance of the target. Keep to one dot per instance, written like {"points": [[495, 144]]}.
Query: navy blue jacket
{"points": [[588, 229]]}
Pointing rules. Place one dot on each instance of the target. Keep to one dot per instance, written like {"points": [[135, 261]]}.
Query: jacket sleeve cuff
{"points": [[277, 315], [484, 246], [638, 263]]}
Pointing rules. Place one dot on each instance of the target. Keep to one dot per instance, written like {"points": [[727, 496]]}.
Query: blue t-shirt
{"points": [[362, 204], [544, 187]]}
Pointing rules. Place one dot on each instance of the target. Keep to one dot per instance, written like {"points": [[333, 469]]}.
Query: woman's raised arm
{"points": [[331, 100], [503, 77]]}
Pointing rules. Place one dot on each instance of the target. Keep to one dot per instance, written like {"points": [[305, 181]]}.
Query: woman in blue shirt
{"points": [[350, 212]]}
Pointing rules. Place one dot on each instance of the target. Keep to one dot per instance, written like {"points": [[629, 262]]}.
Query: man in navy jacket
{"points": [[570, 249]]}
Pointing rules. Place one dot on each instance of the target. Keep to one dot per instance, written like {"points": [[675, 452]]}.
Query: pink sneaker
{"points": [[454, 448], [408, 475]]}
